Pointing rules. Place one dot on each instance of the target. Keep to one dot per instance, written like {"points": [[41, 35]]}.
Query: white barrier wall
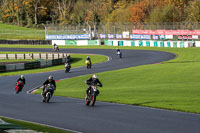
{"points": [[58, 42], [149, 43], [82, 42], [77, 42], [197, 43]]}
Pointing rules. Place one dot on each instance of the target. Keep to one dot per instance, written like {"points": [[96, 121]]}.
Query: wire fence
{"points": [[102, 28]]}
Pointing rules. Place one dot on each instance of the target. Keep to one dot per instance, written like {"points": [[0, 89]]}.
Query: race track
{"points": [[72, 114]]}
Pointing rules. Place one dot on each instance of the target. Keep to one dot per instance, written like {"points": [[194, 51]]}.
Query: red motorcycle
{"points": [[91, 96], [19, 86]]}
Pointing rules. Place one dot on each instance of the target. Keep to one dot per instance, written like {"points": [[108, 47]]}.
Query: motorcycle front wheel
{"points": [[48, 96], [93, 100]]}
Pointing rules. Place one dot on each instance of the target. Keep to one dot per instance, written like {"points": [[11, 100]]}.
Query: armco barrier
{"points": [[149, 43]]}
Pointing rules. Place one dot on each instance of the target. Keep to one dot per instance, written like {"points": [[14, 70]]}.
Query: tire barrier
{"points": [[2, 68], [32, 65]]}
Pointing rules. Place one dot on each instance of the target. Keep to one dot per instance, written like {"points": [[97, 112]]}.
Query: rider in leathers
{"points": [[50, 80], [93, 81]]}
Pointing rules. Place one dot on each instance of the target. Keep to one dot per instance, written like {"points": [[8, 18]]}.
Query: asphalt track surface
{"points": [[72, 114]]}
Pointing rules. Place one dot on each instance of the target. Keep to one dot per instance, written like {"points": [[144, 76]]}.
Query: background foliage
{"points": [[32, 13]]}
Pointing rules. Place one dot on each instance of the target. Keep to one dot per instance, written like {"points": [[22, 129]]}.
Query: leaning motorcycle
{"points": [[67, 68], [48, 92], [119, 54], [91, 96], [19, 86], [88, 63]]}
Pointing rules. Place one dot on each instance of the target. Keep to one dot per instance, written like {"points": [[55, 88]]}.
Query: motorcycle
{"points": [[48, 92], [67, 68], [57, 48], [119, 54], [91, 96], [89, 64], [19, 86]]}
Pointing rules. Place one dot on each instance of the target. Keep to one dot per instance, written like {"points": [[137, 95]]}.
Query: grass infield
{"points": [[33, 126]]}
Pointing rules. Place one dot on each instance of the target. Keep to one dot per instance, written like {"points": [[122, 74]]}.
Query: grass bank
{"points": [[33, 126], [170, 85], [78, 60], [9, 32]]}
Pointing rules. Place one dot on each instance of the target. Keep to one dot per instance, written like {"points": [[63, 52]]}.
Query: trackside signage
{"points": [[166, 32], [68, 37]]}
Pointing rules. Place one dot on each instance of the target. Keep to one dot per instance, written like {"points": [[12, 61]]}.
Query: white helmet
{"points": [[50, 77], [22, 76], [94, 76]]}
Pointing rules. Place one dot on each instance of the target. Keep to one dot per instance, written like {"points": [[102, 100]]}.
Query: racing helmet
{"points": [[94, 76], [22, 76], [50, 77]]}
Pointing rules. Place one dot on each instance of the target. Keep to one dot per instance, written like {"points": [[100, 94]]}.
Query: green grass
{"points": [[33, 126], [79, 60], [170, 85], [20, 33]]}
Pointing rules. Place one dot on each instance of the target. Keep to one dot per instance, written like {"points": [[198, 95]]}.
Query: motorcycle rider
{"points": [[22, 79], [50, 80], [68, 58], [88, 60], [67, 66], [93, 81], [118, 52]]}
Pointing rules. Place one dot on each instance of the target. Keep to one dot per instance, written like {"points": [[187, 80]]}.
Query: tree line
{"points": [[32, 13]]}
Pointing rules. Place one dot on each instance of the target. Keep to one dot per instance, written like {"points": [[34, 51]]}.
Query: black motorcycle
{"points": [[67, 68], [119, 54], [91, 96], [48, 92]]}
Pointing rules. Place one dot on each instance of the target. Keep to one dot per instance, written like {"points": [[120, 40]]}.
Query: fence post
{"points": [[24, 56], [15, 56], [7, 56], [52, 56], [32, 56], [40, 55], [46, 56]]}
